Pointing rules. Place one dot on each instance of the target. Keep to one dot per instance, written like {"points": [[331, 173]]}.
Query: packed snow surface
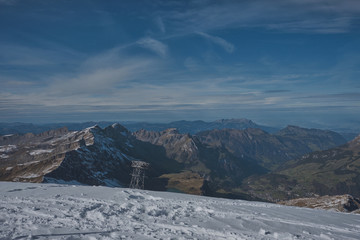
{"points": [[53, 211]]}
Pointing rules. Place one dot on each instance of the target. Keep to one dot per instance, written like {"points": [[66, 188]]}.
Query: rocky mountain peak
{"points": [[355, 143], [55, 132], [119, 127], [179, 146], [291, 129], [92, 129], [170, 131], [356, 140], [116, 130]]}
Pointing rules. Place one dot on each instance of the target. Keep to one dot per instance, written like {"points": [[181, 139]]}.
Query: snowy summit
{"points": [[50, 211]]}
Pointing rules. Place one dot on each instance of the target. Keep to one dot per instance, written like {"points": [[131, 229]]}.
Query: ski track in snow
{"points": [[53, 211]]}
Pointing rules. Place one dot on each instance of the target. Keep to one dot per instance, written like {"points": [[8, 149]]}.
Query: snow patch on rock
{"points": [[40, 151], [7, 148]]}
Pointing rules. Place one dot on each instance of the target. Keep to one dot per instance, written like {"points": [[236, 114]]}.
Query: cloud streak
{"points": [[315, 16], [160, 24], [228, 47], [154, 45]]}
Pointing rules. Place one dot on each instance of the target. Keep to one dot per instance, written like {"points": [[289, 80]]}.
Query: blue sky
{"points": [[276, 62]]}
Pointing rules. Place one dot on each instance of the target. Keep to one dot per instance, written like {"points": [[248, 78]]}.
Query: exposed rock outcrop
{"points": [[338, 203]]}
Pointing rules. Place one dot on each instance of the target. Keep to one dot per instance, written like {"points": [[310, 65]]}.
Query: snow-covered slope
{"points": [[49, 211]]}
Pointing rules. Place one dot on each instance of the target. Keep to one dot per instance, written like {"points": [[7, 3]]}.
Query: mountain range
{"points": [[183, 126], [93, 156], [230, 163]]}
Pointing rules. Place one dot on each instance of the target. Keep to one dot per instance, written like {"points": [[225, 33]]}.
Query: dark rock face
{"points": [[104, 161], [181, 147]]}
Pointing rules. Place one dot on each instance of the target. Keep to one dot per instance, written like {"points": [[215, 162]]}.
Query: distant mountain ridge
{"points": [[183, 126], [194, 127], [271, 150]]}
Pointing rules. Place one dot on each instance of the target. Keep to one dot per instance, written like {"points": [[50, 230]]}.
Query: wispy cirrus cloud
{"points": [[346, 96], [105, 72], [334, 25], [227, 46], [160, 24], [277, 91], [314, 16], [154, 45]]}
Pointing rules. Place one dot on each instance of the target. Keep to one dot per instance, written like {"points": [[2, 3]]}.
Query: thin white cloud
{"points": [[314, 16], [154, 45], [160, 24], [228, 47], [103, 73], [15, 83], [336, 25]]}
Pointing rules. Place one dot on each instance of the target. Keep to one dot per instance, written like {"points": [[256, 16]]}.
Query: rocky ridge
{"points": [[29, 157], [337, 203]]}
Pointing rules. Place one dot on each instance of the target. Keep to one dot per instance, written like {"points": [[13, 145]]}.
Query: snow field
{"points": [[52, 211]]}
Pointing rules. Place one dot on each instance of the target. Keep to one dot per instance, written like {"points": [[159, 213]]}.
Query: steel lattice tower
{"points": [[138, 174]]}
